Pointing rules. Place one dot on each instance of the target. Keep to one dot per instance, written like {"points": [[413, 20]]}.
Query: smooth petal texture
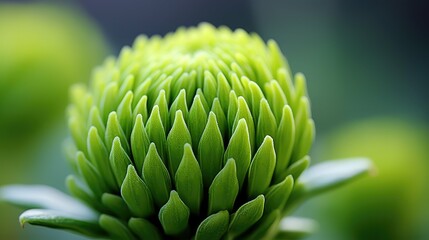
{"points": [[189, 180], [139, 143], [125, 113], [116, 204], [211, 150], [220, 117], [285, 139], [224, 189], [113, 130], [240, 150], [297, 168], [179, 104], [136, 194], [277, 195], [247, 215], [262, 168], [62, 220], [144, 229], [243, 112], [100, 158], [91, 175], [267, 227], [174, 215], [266, 123], [119, 161], [156, 176], [156, 132], [213, 227], [116, 228], [197, 120], [176, 140]]}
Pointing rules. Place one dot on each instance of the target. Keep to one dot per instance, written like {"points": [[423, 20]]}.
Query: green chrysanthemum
{"points": [[200, 134]]}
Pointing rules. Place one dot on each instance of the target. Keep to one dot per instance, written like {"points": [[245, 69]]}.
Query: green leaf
{"points": [[116, 205], [96, 121], [247, 215], [213, 227], [156, 176], [156, 132], [211, 150], [108, 99], [119, 161], [277, 195], [177, 138], [266, 122], [144, 229], [262, 168], [125, 114], [179, 104], [79, 191], [306, 140], [296, 228], [139, 143], [136, 194], [276, 98], [100, 158], [239, 149], [115, 228], [197, 121], [62, 220], [174, 215], [40, 196], [90, 175], [224, 189], [113, 130], [189, 181], [243, 112], [327, 175], [284, 143]]}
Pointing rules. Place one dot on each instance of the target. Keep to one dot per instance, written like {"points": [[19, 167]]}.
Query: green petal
{"points": [[156, 176], [179, 104], [211, 150], [247, 215], [141, 108], [277, 195], [189, 181], [113, 130], [213, 227], [297, 168], [220, 117], [243, 112], [96, 121], [136, 194], [61, 220], [267, 227], [125, 113], [284, 143], [139, 143], [257, 95], [223, 90], [144, 229], [224, 189], [116, 205], [266, 123], [115, 228], [306, 140], [239, 149], [177, 138], [119, 161], [162, 103], [276, 98], [210, 86], [262, 168], [174, 215], [90, 175], [100, 158], [232, 110], [108, 99], [156, 132], [79, 191], [197, 121]]}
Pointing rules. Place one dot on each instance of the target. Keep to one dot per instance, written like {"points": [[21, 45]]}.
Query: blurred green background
{"points": [[365, 63]]}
